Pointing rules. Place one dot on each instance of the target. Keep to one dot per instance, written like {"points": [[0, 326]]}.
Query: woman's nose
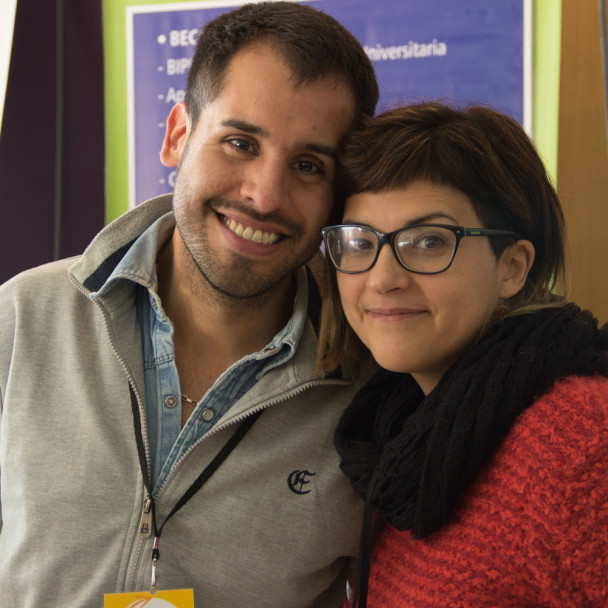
{"points": [[387, 274]]}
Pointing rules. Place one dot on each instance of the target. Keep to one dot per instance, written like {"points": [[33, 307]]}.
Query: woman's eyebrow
{"points": [[430, 217]]}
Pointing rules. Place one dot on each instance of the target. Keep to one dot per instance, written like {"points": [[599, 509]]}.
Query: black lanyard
{"points": [[197, 484]]}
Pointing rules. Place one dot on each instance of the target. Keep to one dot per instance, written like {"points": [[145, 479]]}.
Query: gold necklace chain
{"points": [[188, 400]]}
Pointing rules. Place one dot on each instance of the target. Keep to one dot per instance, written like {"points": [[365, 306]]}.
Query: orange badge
{"points": [[175, 598]]}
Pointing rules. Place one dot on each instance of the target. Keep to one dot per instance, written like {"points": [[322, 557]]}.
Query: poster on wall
{"points": [[466, 51]]}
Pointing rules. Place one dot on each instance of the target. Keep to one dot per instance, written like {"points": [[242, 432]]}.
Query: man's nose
{"points": [[265, 185]]}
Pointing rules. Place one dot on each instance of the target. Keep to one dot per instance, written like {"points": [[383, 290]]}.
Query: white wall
{"points": [[7, 21]]}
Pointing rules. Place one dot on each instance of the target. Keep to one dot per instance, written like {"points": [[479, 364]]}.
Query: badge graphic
{"points": [[152, 602], [298, 479]]}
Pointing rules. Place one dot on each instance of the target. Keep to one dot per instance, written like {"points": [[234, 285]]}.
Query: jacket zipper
{"points": [[130, 379], [145, 523], [139, 539]]}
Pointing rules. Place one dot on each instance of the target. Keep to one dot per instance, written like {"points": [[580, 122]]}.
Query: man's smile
{"points": [[250, 234]]}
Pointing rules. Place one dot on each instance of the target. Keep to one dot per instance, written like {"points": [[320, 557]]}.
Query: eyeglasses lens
{"points": [[425, 248], [352, 248]]}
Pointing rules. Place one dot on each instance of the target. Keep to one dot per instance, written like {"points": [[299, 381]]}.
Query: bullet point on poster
{"points": [[161, 39]]}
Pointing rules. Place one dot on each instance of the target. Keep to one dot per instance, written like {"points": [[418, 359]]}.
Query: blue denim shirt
{"points": [[167, 440]]}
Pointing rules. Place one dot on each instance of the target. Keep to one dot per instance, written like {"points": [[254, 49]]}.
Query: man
{"points": [[126, 372]]}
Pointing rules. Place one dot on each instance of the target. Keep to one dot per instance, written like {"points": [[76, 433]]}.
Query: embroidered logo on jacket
{"points": [[298, 479]]}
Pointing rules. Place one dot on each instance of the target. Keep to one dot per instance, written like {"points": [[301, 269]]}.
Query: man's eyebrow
{"points": [[242, 125], [321, 149], [247, 127]]}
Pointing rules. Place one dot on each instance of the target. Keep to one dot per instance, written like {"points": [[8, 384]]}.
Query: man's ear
{"points": [[178, 131], [515, 262]]}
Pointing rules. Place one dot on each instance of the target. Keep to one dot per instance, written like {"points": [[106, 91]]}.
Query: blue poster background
{"points": [[465, 51]]}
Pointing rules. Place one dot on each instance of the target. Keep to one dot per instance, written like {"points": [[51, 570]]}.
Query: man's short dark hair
{"points": [[313, 45]]}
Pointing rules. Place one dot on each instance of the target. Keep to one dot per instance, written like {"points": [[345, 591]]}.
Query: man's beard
{"points": [[240, 277]]}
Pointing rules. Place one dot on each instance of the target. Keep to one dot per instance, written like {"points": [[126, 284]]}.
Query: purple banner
{"points": [[466, 51]]}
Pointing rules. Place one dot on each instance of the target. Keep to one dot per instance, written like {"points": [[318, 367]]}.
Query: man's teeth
{"points": [[249, 234]]}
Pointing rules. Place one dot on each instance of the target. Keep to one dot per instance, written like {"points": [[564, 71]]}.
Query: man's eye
{"points": [[242, 145], [308, 167]]}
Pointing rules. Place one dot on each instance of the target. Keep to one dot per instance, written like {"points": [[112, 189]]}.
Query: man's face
{"points": [[256, 173]]}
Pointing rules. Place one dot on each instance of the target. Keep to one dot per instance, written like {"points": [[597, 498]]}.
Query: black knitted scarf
{"points": [[426, 450]]}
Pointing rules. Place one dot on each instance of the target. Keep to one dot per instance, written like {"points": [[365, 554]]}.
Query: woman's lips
{"points": [[394, 314]]}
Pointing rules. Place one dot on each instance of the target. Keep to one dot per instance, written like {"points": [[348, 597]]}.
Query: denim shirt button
{"points": [[208, 415], [170, 401]]}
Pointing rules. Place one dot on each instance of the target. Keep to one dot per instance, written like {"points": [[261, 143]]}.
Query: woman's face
{"points": [[415, 323]]}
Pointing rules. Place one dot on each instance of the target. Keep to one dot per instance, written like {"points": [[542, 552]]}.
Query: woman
{"points": [[483, 443]]}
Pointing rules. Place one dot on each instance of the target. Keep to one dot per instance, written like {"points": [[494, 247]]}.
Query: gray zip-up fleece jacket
{"points": [[71, 487]]}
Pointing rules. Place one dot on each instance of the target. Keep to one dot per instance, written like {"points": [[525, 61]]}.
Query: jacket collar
{"points": [[106, 250]]}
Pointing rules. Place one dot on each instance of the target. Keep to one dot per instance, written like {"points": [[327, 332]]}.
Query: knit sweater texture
{"points": [[530, 531]]}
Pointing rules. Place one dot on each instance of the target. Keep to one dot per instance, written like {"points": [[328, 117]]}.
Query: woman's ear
{"points": [[178, 131], [515, 263]]}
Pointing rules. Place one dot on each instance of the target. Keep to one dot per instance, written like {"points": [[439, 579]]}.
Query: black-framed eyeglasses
{"points": [[422, 248]]}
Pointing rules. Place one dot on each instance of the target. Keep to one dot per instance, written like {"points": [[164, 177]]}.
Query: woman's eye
{"points": [[360, 245], [430, 242]]}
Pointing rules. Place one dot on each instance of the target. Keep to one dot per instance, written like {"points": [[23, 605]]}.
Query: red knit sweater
{"points": [[531, 531]]}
